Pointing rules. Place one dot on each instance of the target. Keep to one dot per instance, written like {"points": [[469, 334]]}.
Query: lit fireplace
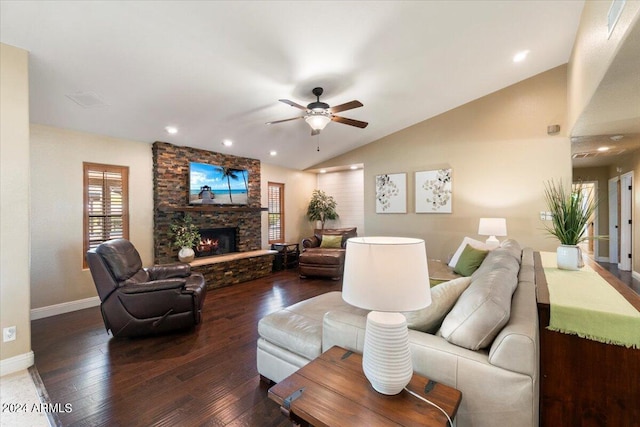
{"points": [[216, 241]]}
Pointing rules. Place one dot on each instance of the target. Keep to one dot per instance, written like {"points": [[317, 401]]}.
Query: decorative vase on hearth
{"points": [[186, 254], [569, 257]]}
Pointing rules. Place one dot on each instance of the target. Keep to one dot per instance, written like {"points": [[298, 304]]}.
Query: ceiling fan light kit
{"points": [[318, 114]]}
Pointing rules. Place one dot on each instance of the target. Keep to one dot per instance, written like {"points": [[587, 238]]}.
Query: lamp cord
{"points": [[431, 403]]}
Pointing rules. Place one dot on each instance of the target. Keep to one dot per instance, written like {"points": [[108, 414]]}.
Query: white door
{"points": [[613, 220], [626, 181]]}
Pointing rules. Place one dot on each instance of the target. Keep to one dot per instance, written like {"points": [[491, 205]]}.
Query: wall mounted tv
{"points": [[217, 185]]}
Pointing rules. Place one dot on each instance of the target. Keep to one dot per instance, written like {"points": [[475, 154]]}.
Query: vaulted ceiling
{"points": [[216, 69]]}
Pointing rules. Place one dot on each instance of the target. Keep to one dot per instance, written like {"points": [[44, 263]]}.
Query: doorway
{"points": [[620, 224], [590, 191]]}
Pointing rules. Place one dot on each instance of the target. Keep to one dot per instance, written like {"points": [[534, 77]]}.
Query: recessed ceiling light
{"points": [[354, 167], [603, 148], [227, 143], [171, 129], [273, 153], [520, 56], [323, 171]]}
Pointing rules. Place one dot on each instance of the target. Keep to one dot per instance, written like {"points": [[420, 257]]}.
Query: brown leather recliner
{"points": [[316, 260], [144, 301]]}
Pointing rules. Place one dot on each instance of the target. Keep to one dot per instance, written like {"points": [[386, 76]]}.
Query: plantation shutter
{"points": [[276, 214], [106, 213]]}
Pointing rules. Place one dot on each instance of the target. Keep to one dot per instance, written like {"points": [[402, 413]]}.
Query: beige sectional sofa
{"points": [[480, 335]]}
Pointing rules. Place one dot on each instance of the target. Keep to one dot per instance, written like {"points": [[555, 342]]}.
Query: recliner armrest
{"points": [[167, 271], [153, 286]]}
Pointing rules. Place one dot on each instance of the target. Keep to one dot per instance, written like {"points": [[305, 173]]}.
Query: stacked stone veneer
{"points": [[171, 198]]}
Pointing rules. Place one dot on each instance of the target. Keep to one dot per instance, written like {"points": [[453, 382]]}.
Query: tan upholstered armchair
{"points": [[143, 301], [323, 253]]}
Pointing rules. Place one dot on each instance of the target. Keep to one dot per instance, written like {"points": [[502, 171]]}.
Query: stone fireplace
{"points": [[216, 241], [170, 201]]}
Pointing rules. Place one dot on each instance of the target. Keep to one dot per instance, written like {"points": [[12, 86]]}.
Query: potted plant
{"points": [[185, 236], [321, 207], [571, 211]]}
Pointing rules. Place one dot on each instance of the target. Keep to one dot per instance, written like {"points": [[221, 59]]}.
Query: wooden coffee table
{"points": [[333, 391]]}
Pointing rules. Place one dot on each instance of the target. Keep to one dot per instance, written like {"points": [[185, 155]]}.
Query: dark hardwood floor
{"points": [[206, 376], [625, 277]]}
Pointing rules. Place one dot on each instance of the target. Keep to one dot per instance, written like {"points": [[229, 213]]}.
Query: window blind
{"points": [[275, 213], [106, 204]]}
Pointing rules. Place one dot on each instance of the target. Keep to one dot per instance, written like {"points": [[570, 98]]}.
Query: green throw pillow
{"points": [[331, 241], [469, 260]]}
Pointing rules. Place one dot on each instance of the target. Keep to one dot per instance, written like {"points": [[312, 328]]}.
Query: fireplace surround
{"points": [[171, 193]]}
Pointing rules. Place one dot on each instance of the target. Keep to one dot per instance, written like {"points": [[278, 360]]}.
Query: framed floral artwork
{"points": [[433, 191], [391, 193]]}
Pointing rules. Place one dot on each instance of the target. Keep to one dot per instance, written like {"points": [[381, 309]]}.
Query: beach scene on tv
{"points": [[217, 185]]}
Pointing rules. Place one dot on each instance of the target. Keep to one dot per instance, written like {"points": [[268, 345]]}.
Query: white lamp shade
{"points": [[388, 274], [492, 227], [317, 121]]}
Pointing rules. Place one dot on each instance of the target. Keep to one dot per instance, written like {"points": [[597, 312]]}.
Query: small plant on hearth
{"points": [[184, 233]]}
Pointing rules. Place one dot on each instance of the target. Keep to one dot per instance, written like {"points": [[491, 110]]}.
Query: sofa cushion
{"points": [[298, 328], [443, 297], [467, 241], [469, 260], [331, 241], [482, 309]]}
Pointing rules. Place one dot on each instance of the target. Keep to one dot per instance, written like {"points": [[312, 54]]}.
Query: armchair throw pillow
{"points": [[331, 241]]}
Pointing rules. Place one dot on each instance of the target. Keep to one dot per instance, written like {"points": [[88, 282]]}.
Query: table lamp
{"points": [[386, 275], [492, 227]]}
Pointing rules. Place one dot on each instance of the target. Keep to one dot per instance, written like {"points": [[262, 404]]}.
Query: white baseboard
{"points": [[16, 363], [603, 259], [635, 275], [65, 307]]}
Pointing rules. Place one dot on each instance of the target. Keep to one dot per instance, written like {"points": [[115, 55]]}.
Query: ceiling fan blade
{"points": [[346, 106], [293, 104], [285, 120], [350, 122]]}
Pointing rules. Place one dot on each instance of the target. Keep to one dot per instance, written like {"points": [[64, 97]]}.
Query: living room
{"points": [[497, 145]]}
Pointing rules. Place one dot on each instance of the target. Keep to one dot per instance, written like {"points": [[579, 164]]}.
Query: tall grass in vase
{"points": [[571, 211]]}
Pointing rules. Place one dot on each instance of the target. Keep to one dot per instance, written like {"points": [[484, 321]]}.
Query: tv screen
{"points": [[217, 185]]}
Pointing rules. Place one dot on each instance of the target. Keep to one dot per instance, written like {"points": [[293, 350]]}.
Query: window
{"points": [[276, 212], [106, 204]]}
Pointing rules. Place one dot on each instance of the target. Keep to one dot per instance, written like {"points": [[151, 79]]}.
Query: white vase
{"points": [[569, 257], [186, 254]]}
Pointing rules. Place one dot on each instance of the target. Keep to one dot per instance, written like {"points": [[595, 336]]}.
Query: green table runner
{"points": [[584, 304]]}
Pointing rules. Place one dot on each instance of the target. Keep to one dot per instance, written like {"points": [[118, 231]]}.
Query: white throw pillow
{"points": [[443, 298], [476, 244]]}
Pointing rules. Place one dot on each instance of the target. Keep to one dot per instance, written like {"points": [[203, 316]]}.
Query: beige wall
{"points": [[298, 186], [593, 52], [57, 155], [14, 206], [500, 154]]}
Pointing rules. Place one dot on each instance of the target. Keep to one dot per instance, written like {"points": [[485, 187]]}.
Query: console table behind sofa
{"points": [[585, 382]]}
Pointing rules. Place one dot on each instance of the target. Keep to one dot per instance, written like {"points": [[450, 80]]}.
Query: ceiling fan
{"points": [[318, 114]]}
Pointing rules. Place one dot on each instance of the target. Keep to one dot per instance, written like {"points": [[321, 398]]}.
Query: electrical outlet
{"points": [[9, 334]]}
